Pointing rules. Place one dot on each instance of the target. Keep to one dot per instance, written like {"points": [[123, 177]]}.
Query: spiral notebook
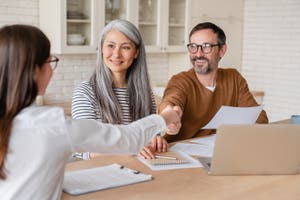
{"points": [[182, 161], [166, 161], [100, 178]]}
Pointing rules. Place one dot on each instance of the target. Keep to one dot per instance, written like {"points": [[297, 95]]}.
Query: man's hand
{"points": [[172, 117], [174, 127]]}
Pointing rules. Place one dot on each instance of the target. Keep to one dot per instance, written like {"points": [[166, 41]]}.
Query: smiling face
{"points": [[119, 52], [205, 63]]}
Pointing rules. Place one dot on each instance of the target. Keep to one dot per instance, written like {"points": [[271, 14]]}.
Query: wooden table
{"points": [[284, 121], [190, 184]]}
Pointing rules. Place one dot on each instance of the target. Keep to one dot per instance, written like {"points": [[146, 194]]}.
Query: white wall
{"points": [[72, 69], [271, 54], [178, 62], [19, 11], [228, 15]]}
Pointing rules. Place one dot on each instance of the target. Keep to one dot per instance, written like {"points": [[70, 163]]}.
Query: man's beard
{"points": [[204, 67]]}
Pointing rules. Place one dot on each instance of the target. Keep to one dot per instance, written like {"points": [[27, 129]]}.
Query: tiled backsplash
{"points": [[71, 70]]}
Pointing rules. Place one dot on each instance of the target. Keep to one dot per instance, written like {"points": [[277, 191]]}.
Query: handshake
{"points": [[172, 117]]}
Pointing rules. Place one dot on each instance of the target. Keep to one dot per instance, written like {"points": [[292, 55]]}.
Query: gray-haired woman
{"points": [[119, 91]]}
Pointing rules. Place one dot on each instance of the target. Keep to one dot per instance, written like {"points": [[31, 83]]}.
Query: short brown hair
{"points": [[208, 25]]}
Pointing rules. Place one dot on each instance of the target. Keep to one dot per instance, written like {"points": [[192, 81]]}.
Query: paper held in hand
{"points": [[234, 115]]}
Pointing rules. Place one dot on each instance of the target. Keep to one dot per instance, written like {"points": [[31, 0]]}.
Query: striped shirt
{"points": [[85, 106]]}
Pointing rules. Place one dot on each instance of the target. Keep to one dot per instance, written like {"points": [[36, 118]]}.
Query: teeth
{"points": [[116, 62], [200, 60]]}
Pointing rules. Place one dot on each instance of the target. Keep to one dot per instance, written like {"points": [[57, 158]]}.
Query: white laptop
{"points": [[255, 150]]}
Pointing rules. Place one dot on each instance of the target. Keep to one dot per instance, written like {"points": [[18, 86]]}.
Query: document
{"points": [[203, 146], [206, 140], [100, 178], [234, 115], [194, 149]]}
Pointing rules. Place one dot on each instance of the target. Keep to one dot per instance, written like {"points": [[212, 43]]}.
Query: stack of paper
{"points": [[89, 180], [203, 146]]}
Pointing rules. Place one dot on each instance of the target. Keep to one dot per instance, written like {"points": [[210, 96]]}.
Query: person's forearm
{"points": [[90, 135]]}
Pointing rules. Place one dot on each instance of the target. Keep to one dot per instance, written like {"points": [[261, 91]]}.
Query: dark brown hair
{"points": [[208, 25], [22, 49]]}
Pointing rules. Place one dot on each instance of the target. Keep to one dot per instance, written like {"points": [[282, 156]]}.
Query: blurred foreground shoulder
{"points": [[40, 116]]}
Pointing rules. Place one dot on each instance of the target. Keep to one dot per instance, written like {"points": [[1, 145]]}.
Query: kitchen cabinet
{"points": [[74, 26], [70, 25], [119, 9], [164, 24]]}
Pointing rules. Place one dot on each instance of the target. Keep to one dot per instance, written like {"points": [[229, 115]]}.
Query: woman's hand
{"points": [[158, 144]]}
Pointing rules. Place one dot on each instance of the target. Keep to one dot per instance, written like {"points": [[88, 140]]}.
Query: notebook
{"points": [[182, 161], [100, 178], [165, 161], [255, 150]]}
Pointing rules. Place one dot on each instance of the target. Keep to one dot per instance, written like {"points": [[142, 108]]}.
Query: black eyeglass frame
{"points": [[204, 46], [53, 59]]}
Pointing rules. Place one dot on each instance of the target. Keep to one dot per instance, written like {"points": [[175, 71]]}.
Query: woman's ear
{"points": [[42, 76], [37, 72], [137, 53]]}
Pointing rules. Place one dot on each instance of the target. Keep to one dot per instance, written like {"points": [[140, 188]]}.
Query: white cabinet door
{"points": [[164, 24], [178, 25], [149, 24], [115, 9], [70, 25]]}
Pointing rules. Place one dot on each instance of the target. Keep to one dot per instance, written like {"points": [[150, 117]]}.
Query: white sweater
{"points": [[42, 141]]}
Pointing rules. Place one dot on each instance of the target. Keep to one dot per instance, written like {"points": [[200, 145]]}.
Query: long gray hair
{"points": [[137, 78]]}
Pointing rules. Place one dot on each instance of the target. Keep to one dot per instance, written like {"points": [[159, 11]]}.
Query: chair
{"points": [[258, 95]]}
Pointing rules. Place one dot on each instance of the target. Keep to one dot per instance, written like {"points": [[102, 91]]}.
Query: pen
{"points": [[165, 157]]}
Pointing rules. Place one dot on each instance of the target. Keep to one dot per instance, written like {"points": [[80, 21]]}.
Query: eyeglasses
{"points": [[205, 48], [53, 59]]}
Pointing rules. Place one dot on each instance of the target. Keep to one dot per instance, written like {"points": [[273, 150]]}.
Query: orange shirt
{"points": [[199, 104]]}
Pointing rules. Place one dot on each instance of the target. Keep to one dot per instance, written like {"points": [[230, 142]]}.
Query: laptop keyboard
{"points": [[205, 161]]}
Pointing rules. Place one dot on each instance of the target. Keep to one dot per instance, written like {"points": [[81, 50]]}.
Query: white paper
{"points": [[234, 115], [203, 146], [194, 149], [193, 163], [110, 176], [207, 140]]}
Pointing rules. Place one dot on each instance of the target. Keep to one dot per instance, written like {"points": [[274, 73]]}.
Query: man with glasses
{"points": [[202, 90]]}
